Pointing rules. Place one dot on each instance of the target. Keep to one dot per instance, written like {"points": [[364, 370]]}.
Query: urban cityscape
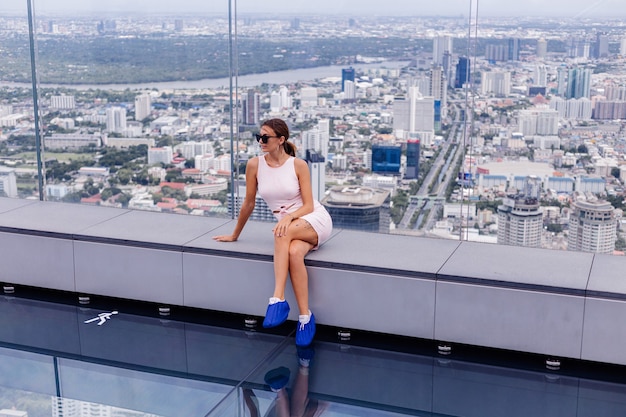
{"points": [[509, 132]]}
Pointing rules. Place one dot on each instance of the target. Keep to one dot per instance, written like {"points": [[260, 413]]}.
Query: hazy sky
{"points": [[565, 8]]}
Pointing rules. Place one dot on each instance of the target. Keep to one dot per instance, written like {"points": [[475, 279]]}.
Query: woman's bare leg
{"points": [[298, 273], [299, 230]]}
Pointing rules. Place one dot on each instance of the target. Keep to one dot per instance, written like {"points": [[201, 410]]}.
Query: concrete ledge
{"points": [[546, 302]]}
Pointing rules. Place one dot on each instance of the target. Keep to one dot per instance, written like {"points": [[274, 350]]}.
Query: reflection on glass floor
{"points": [[58, 359]]}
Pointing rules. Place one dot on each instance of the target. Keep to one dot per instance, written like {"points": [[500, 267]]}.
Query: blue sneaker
{"points": [[277, 378], [305, 332], [276, 314]]}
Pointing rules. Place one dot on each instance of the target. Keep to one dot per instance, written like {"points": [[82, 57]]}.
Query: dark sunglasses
{"points": [[264, 138]]}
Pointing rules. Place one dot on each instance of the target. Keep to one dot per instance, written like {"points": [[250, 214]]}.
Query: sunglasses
{"points": [[264, 138]]}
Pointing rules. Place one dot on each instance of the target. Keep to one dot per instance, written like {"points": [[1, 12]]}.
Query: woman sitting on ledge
{"points": [[284, 182]]}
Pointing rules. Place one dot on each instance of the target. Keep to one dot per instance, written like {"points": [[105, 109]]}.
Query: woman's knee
{"points": [[298, 249]]}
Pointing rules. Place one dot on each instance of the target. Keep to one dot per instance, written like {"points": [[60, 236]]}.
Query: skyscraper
{"points": [[513, 49], [462, 72], [317, 169], [442, 45], [116, 119], [414, 116], [592, 227], [349, 90], [542, 48], [578, 83], [386, 158], [540, 77], [308, 96], [347, 74], [601, 49], [251, 108], [143, 106], [438, 87], [412, 159], [317, 139], [520, 220]]}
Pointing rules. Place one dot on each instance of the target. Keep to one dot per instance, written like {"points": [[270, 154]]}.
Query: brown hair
{"points": [[280, 128]]}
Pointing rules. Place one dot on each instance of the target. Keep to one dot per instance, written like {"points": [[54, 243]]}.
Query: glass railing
{"points": [[472, 121]]}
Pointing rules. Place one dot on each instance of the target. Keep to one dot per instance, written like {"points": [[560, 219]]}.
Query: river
{"points": [[252, 80]]}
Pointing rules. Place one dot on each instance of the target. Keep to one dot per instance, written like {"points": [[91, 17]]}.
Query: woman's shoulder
{"points": [[299, 162], [253, 163]]}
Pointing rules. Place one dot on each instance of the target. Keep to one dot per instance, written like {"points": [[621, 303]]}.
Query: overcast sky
{"points": [[565, 8]]}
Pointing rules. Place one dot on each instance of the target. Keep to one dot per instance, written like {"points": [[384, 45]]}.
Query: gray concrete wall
{"points": [[554, 303]]}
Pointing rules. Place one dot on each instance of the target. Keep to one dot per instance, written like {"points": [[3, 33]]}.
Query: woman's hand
{"points": [[281, 227], [225, 238]]}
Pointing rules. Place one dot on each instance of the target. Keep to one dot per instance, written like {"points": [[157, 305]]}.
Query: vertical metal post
{"points": [[232, 131], [35, 82]]}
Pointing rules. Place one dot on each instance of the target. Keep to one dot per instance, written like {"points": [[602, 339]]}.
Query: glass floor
{"points": [[110, 358]]}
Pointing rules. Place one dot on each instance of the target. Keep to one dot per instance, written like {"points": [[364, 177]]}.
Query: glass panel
{"points": [[117, 81], [17, 177], [135, 390], [130, 364], [518, 121]]}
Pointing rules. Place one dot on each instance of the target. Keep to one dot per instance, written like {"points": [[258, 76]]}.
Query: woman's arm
{"points": [[248, 202]]}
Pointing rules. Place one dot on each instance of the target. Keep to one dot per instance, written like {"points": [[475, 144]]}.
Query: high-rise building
{"points": [[561, 80], [496, 53], [542, 48], [438, 85], [578, 83], [162, 155], [347, 74], [251, 108], [386, 158], [280, 100], [496, 82], [592, 227], [8, 182], [610, 110], [520, 220], [513, 49], [359, 208], [62, 102], [578, 47], [143, 106], [539, 121], [414, 116], [316, 139], [412, 159], [308, 96], [462, 72], [577, 109], [622, 47], [116, 119], [601, 49], [540, 77], [317, 169], [349, 90], [442, 45]]}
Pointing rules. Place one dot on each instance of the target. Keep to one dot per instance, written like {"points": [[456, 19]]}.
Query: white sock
{"points": [[274, 300], [305, 318]]}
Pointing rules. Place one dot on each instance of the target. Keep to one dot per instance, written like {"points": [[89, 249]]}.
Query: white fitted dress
{"points": [[280, 189]]}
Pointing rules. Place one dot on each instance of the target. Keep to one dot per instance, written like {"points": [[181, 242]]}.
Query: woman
{"points": [[284, 182]]}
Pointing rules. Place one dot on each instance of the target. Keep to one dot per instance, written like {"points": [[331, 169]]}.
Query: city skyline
{"points": [[530, 8]]}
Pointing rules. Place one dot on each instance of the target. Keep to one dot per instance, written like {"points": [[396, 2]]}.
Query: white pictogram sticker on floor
{"points": [[102, 318]]}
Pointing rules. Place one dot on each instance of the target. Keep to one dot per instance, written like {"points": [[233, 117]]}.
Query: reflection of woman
{"points": [[303, 223], [299, 405]]}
